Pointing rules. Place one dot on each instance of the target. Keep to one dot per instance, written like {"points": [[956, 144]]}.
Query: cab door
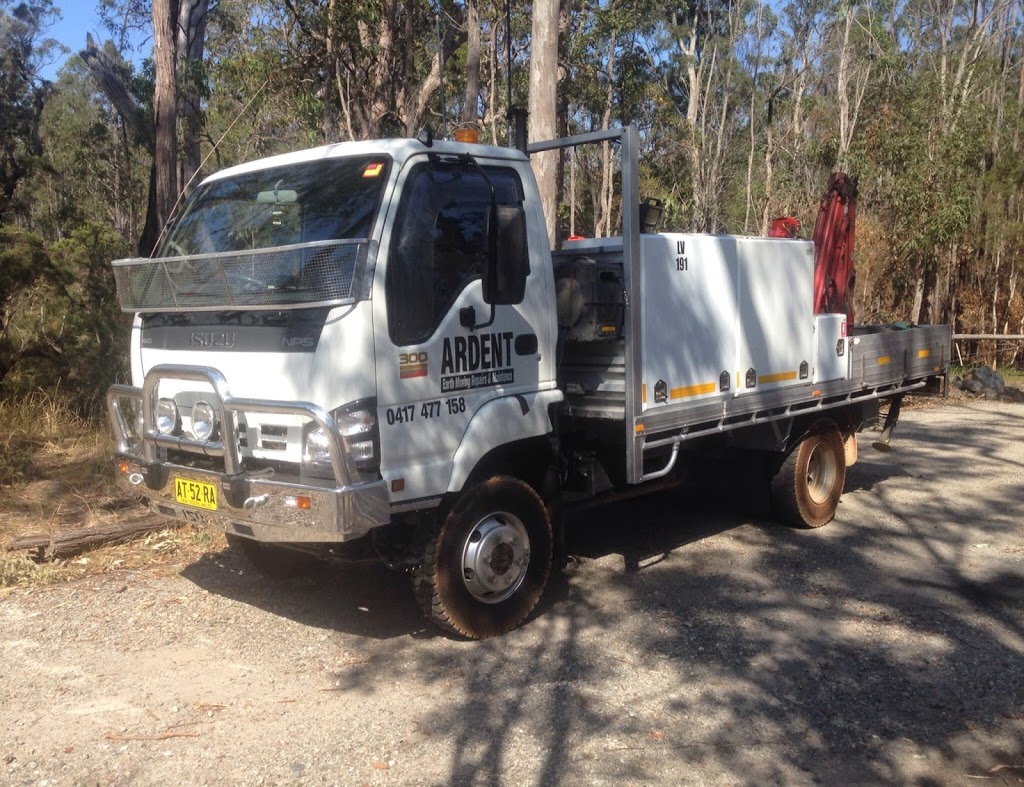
{"points": [[437, 364]]}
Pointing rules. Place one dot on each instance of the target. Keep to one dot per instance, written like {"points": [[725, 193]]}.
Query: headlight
{"points": [[355, 422], [204, 420], [166, 416]]}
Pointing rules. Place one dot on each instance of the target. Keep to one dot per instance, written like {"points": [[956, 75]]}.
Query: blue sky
{"points": [[79, 17]]}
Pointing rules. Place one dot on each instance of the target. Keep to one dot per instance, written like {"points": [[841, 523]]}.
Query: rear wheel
{"points": [[807, 488], [487, 567]]}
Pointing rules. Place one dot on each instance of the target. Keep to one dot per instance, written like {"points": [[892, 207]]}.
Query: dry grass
{"points": [[56, 474]]}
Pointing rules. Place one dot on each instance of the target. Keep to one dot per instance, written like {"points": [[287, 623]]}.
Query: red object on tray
{"points": [[833, 247], [785, 227]]}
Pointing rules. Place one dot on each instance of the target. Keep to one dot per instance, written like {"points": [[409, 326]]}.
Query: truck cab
{"points": [[333, 338]]}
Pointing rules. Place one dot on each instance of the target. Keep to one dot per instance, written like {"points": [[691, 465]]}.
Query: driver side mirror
{"points": [[511, 264]]}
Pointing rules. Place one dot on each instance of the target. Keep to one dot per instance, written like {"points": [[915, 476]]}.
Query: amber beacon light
{"points": [[467, 135]]}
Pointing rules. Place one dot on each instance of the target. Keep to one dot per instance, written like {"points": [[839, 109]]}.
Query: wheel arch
{"points": [[848, 419], [528, 460], [501, 434]]}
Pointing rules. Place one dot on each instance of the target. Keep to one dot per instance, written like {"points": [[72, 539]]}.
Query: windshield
{"points": [[285, 237], [332, 199]]}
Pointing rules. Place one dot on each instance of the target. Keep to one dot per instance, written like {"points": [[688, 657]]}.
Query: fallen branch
{"points": [[160, 736], [71, 542]]}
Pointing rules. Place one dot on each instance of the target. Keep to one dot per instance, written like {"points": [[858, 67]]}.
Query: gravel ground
{"points": [[691, 642]]}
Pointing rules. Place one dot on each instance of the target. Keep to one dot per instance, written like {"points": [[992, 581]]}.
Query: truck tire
{"points": [[274, 562], [487, 567], [806, 489]]}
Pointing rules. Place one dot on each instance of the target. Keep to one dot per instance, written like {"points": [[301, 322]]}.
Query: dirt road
{"points": [[692, 643]]}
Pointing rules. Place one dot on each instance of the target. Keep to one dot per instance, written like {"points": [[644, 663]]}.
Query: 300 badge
{"points": [[412, 365]]}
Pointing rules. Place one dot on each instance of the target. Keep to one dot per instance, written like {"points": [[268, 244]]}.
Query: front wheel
{"points": [[487, 567], [807, 488]]}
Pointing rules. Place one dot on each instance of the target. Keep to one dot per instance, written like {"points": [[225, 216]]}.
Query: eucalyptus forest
{"points": [[744, 108]]}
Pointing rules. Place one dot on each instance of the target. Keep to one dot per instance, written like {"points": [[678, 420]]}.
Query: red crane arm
{"points": [[833, 247]]}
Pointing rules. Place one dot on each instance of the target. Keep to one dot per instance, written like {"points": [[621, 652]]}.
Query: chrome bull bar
{"points": [[258, 506]]}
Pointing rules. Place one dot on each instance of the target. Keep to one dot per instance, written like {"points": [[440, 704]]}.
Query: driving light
{"points": [[204, 420], [166, 416], [315, 448]]}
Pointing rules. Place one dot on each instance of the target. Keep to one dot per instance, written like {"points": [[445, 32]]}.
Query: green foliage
{"points": [[62, 328], [95, 346], [937, 146], [93, 169], [25, 270], [23, 94]]}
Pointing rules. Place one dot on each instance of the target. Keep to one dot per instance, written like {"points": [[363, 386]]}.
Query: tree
{"points": [[371, 69], [701, 78], [470, 114], [165, 111], [542, 106], [179, 30], [23, 93], [93, 170]]}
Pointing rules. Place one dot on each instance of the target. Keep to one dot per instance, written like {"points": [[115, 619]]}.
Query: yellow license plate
{"points": [[195, 493]]}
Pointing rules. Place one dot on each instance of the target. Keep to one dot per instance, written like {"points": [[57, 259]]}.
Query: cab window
{"points": [[439, 242]]}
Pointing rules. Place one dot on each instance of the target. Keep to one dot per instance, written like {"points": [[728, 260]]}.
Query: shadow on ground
{"points": [[879, 649]]}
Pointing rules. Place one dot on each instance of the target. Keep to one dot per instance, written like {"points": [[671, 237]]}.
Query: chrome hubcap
{"points": [[821, 473], [495, 557]]}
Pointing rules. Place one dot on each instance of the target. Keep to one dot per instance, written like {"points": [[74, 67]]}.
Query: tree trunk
{"points": [[470, 114], [752, 110], [769, 166], [694, 143], [492, 84], [845, 130], [543, 105], [151, 227], [165, 99], [603, 227], [191, 41], [918, 308]]}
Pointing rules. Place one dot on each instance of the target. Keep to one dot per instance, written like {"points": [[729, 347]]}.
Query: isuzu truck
{"points": [[370, 345]]}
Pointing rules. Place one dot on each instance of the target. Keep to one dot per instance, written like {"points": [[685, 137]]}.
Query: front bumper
{"points": [[266, 510], [269, 508]]}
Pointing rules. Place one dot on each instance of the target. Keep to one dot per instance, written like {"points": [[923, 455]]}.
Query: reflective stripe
{"points": [[692, 390]]}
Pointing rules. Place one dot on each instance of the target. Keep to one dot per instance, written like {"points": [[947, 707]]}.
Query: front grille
{"points": [[273, 438]]}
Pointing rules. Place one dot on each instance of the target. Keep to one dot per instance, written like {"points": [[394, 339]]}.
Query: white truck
{"points": [[371, 345]]}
